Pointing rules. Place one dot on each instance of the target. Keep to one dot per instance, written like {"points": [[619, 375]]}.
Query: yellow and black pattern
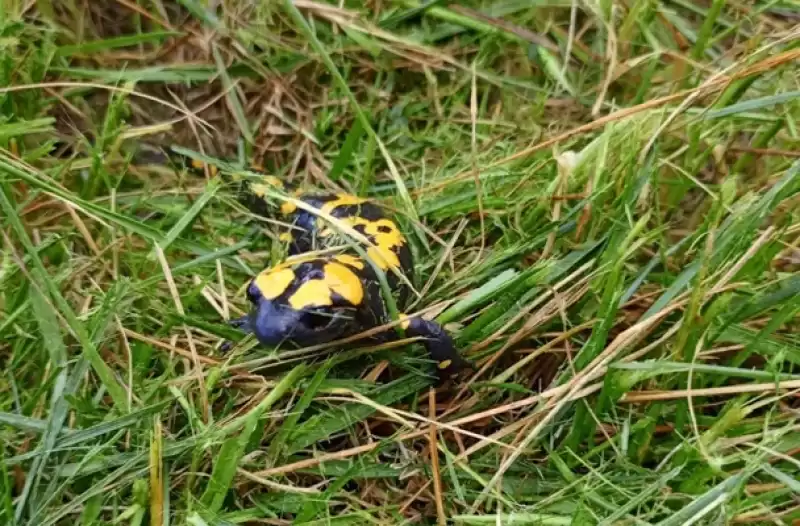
{"points": [[311, 299]]}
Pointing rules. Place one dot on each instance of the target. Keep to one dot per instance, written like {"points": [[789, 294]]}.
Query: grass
{"points": [[602, 201]]}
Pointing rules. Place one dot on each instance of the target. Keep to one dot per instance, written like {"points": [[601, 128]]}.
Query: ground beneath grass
{"points": [[601, 198]]}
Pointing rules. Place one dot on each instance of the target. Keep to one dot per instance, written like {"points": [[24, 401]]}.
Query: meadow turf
{"points": [[601, 197]]}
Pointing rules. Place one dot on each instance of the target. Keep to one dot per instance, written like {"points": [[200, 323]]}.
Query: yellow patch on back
{"points": [[344, 282], [352, 261], [313, 293], [387, 238], [274, 282], [444, 364], [288, 207], [342, 200]]}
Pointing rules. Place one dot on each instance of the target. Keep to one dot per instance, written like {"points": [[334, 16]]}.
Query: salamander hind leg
{"points": [[439, 346]]}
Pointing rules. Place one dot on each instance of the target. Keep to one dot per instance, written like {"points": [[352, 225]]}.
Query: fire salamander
{"points": [[311, 299]]}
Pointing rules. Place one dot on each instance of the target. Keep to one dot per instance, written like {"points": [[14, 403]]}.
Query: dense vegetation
{"points": [[602, 199]]}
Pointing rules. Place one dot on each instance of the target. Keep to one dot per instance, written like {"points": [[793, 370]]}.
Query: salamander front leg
{"points": [[439, 346], [243, 324]]}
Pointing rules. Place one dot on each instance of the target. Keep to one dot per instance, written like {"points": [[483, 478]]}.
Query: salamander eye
{"points": [[253, 294]]}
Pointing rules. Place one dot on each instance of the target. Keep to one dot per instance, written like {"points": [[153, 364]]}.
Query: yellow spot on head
{"points": [[287, 207], [313, 293], [444, 364], [352, 261], [274, 282], [344, 282]]}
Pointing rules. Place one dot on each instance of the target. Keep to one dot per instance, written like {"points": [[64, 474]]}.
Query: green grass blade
{"points": [[233, 448], [405, 197], [98, 46], [752, 105], [188, 218], [103, 371]]}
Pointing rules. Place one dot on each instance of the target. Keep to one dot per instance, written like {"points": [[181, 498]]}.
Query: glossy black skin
{"points": [[274, 321]]}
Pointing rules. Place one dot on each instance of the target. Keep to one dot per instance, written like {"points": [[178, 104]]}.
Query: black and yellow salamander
{"points": [[314, 298]]}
